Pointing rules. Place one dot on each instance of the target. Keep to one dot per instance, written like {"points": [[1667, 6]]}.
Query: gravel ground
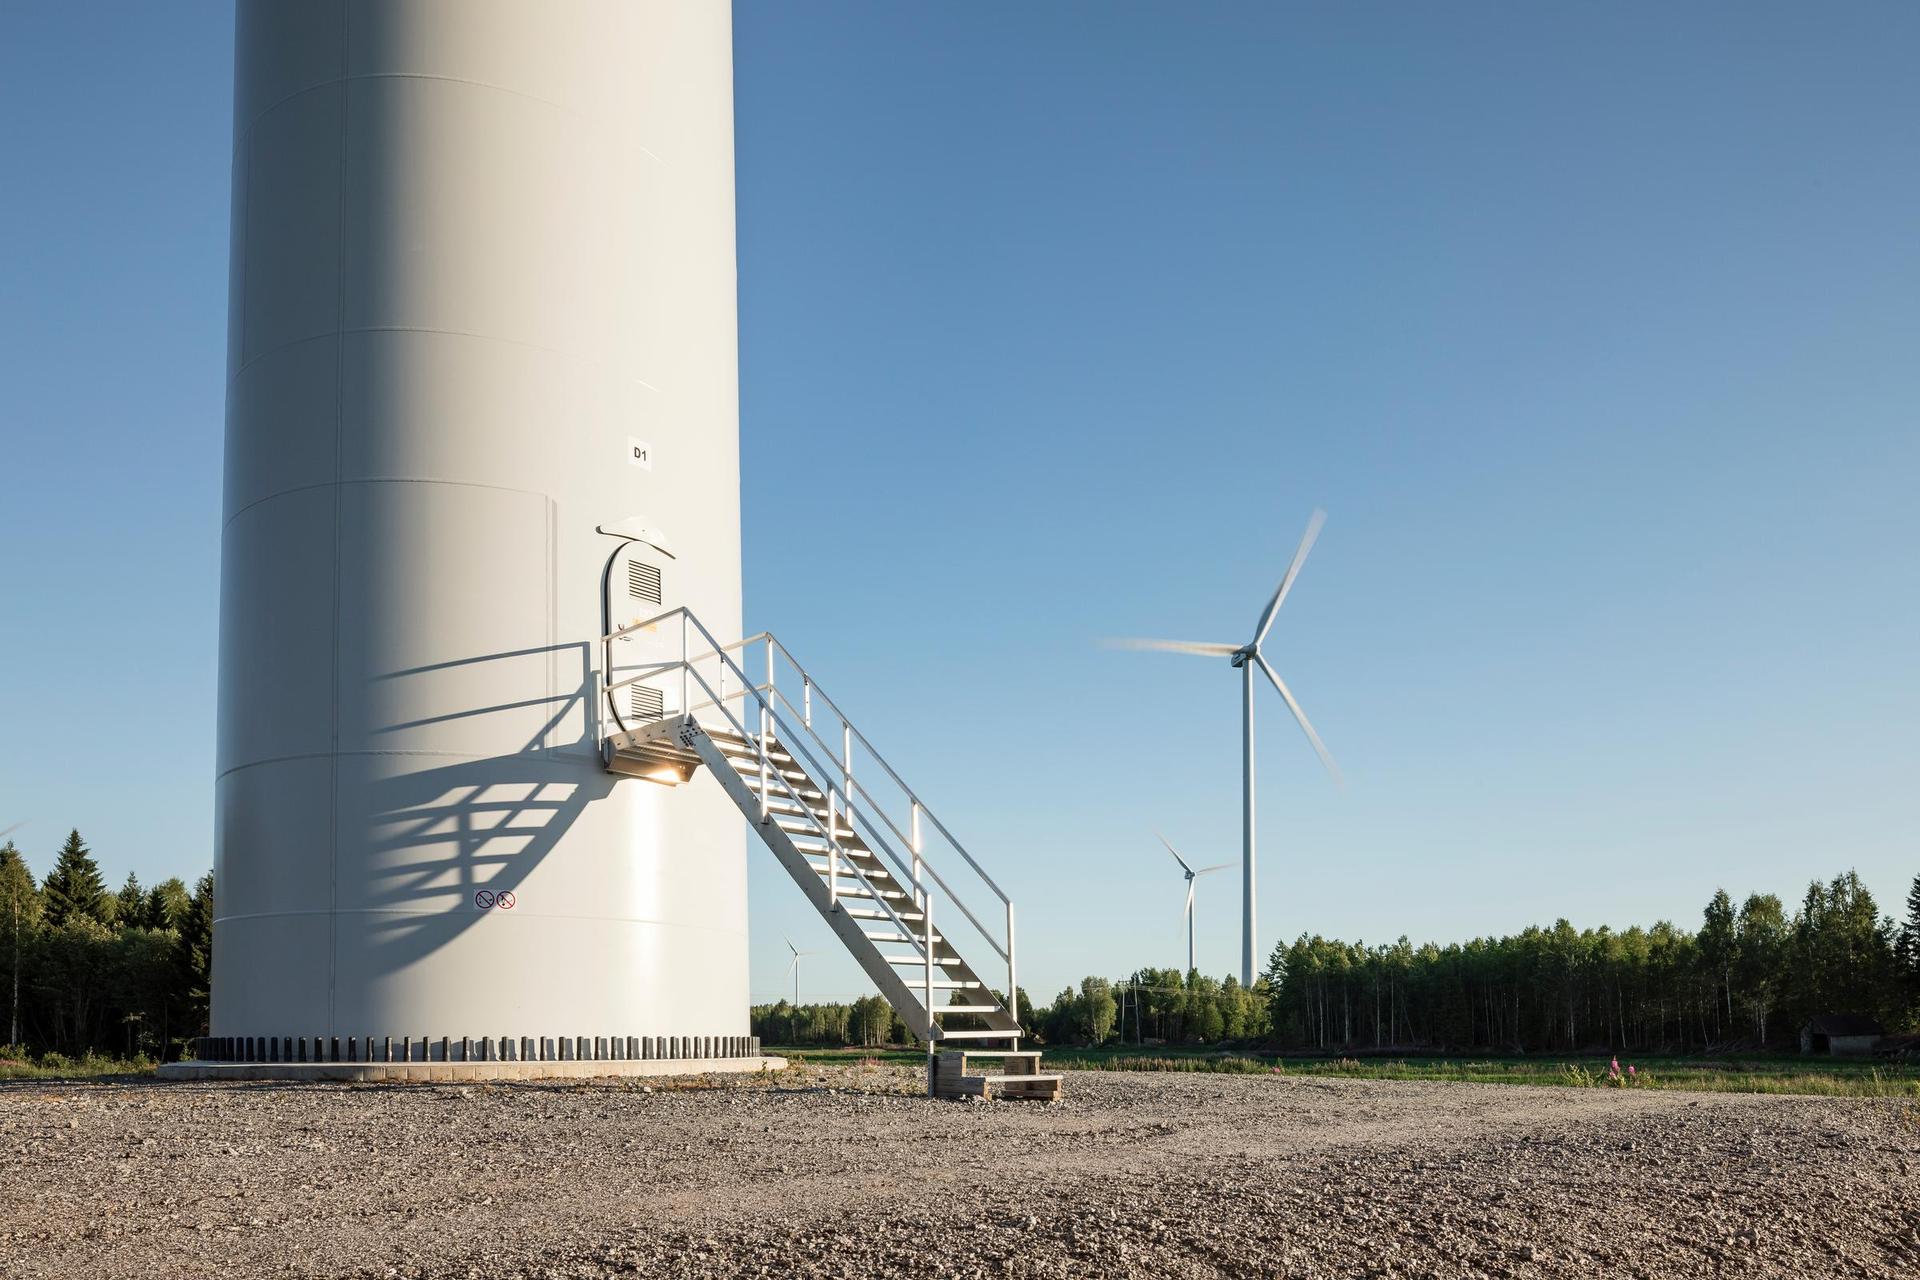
{"points": [[847, 1171]]}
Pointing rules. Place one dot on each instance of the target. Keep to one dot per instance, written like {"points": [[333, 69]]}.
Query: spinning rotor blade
{"points": [[1222, 866], [1314, 522], [1326, 757], [1176, 854], [1209, 648]]}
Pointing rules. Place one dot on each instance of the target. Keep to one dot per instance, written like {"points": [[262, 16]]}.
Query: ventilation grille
{"points": [[648, 704], [643, 581]]}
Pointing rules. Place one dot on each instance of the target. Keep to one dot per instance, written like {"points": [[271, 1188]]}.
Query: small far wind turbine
{"points": [[1246, 657], [1192, 875], [794, 967]]}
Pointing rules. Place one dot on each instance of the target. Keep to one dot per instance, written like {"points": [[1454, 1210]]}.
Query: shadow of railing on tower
{"points": [[444, 841]]}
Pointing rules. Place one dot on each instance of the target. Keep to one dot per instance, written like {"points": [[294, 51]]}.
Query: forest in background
{"points": [[89, 969], [1746, 978]]}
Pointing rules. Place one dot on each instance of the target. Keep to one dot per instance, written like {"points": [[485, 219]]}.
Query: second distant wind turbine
{"points": [[1246, 657], [1192, 875], [794, 967]]}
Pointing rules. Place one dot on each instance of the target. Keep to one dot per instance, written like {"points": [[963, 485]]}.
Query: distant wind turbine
{"points": [[1246, 657], [794, 967], [1192, 875]]}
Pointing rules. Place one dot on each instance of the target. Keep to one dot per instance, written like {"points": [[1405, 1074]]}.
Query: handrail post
{"points": [[926, 919], [766, 778], [919, 890], [806, 700], [767, 703], [1013, 985], [686, 660], [846, 766], [833, 850]]}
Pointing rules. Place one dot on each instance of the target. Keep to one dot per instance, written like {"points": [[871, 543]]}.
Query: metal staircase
{"points": [[856, 839]]}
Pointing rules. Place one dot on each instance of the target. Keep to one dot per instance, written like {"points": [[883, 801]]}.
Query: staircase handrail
{"points": [[774, 641], [861, 815], [849, 786], [881, 760], [926, 945]]}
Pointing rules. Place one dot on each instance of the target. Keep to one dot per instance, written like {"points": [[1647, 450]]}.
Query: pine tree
{"points": [[167, 904], [130, 904], [74, 887], [193, 958], [1910, 947]]}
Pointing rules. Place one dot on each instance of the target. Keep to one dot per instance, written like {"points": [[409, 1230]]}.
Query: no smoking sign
{"points": [[488, 900]]}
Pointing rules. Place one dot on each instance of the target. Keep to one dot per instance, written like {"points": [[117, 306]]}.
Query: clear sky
{"points": [[1595, 329]]}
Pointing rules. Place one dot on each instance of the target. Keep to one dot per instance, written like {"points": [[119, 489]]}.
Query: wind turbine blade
{"points": [[1314, 522], [789, 941], [1210, 648], [7, 831], [1189, 899], [1306, 726], [1218, 867], [1176, 854]]}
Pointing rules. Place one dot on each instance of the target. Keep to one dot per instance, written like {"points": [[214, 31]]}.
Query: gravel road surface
{"points": [[850, 1171]]}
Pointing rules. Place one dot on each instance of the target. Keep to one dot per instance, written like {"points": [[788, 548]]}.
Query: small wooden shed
{"points": [[1839, 1034]]}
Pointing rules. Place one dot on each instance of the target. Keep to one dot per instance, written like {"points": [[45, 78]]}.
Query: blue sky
{"points": [[1592, 328]]}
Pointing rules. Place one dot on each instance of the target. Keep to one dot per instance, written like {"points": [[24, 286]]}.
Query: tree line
{"points": [[93, 970], [1747, 978]]}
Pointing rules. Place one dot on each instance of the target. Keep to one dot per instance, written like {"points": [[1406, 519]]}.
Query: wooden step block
{"points": [[953, 1075]]}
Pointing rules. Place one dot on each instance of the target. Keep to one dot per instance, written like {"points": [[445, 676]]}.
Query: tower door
{"points": [[638, 588]]}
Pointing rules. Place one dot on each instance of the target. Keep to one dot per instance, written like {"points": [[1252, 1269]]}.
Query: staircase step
{"points": [[861, 913], [849, 843], [734, 746], [967, 1008], [946, 1034], [801, 782], [870, 862], [998, 1079], [851, 886], [861, 891]]}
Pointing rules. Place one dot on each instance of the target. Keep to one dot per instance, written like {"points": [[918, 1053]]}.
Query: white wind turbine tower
{"points": [[793, 967], [1246, 657], [1192, 875]]}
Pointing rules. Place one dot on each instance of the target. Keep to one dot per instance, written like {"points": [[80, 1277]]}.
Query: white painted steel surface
{"points": [[481, 249]]}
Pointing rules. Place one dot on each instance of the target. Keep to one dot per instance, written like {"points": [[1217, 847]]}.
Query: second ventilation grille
{"points": [[647, 704], [643, 581]]}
